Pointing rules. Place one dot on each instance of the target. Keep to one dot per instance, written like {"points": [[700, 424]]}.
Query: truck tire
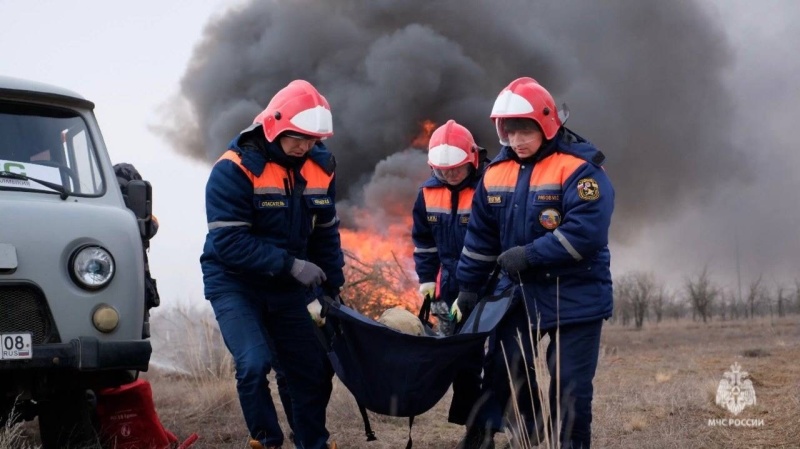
{"points": [[67, 420]]}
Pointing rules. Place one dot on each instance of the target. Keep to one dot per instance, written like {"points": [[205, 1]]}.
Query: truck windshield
{"points": [[50, 144]]}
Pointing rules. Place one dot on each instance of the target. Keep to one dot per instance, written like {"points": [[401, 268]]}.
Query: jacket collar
{"points": [[255, 151]]}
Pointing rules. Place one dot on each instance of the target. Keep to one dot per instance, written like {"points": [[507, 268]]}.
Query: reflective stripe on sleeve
{"points": [[426, 250], [328, 224], [567, 245], [477, 256], [225, 224]]}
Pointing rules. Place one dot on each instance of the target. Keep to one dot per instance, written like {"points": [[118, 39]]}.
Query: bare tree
{"points": [[636, 290], [644, 291], [675, 306], [659, 299], [702, 294], [755, 294], [741, 307], [622, 301], [797, 296], [780, 299], [725, 304]]}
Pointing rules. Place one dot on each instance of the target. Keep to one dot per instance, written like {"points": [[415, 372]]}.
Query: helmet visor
{"points": [[453, 176], [300, 136], [506, 125]]}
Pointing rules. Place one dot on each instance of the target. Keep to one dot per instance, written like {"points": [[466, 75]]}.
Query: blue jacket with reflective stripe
{"points": [[557, 205], [440, 215], [264, 210]]}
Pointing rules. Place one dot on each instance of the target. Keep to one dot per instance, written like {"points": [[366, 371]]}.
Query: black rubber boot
{"points": [[476, 438]]}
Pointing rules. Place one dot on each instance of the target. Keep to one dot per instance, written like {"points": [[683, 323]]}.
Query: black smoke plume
{"points": [[643, 81]]}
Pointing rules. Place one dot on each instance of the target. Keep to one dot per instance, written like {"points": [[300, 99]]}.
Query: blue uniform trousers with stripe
{"points": [[578, 351], [248, 325]]}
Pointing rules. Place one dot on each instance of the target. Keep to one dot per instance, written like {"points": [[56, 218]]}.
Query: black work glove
{"points": [[326, 303], [463, 305], [335, 298], [513, 260], [307, 273]]}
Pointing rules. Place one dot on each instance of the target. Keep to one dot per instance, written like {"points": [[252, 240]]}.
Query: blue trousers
{"points": [[466, 390], [467, 383], [250, 327], [579, 346], [283, 385]]}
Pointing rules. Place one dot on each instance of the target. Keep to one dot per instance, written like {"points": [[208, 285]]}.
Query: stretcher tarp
{"points": [[397, 374]]}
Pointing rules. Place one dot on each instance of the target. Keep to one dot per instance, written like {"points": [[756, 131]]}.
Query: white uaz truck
{"points": [[73, 316]]}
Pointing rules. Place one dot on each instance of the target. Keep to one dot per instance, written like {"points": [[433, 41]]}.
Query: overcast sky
{"points": [[130, 59], [127, 58]]}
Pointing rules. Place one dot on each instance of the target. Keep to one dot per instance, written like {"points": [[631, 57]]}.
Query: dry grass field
{"points": [[655, 388]]}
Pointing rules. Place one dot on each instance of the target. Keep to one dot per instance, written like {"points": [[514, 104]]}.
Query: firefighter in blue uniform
{"points": [[440, 215], [542, 212], [273, 237]]}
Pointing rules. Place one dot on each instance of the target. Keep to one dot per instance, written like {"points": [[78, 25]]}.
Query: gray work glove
{"points": [[307, 273], [463, 305], [513, 260]]}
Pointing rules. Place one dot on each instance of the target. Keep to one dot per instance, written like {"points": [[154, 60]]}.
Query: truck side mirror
{"points": [[140, 201]]}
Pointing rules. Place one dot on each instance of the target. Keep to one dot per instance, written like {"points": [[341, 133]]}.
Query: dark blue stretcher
{"points": [[396, 374]]}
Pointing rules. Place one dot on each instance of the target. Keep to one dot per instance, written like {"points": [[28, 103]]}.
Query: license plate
{"points": [[15, 346]]}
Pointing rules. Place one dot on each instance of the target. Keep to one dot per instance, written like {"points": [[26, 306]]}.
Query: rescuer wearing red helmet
{"points": [[440, 215], [273, 238], [542, 212]]}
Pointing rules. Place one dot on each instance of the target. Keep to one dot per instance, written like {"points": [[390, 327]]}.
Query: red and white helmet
{"points": [[452, 146], [526, 98], [297, 108]]}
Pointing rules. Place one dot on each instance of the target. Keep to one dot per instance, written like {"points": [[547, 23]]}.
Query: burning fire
{"points": [[379, 266], [427, 127]]}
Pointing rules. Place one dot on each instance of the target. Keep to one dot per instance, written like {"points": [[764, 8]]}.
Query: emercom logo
{"points": [[734, 393]]}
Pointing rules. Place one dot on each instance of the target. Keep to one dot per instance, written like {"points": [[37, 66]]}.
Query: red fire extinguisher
{"points": [[128, 419]]}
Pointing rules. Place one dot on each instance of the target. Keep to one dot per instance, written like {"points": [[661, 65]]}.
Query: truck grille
{"points": [[24, 309]]}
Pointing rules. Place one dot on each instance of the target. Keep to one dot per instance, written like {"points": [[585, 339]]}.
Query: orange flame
{"points": [[426, 130], [379, 267]]}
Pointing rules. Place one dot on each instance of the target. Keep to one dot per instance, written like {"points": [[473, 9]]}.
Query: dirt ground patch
{"points": [[654, 388]]}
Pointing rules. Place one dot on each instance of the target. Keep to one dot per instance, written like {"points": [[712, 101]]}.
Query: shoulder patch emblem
{"points": [[550, 218], [588, 189]]}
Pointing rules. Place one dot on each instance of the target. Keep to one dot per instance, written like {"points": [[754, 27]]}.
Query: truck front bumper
{"points": [[86, 354]]}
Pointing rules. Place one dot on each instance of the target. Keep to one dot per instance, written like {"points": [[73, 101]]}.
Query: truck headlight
{"points": [[92, 267]]}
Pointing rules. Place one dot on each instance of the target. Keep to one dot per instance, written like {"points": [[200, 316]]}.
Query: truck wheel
{"points": [[66, 420]]}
